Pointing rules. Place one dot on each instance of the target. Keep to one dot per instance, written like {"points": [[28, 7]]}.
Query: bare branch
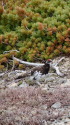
{"points": [[56, 68], [60, 60], [28, 63], [10, 51]]}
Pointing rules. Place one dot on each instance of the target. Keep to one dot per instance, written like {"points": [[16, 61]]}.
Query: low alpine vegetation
{"points": [[36, 28]]}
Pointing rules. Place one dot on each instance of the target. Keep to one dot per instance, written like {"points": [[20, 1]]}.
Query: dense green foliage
{"points": [[37, 28]]}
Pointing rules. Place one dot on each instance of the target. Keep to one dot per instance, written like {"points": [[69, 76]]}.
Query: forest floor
{"points": [[24, 102]]}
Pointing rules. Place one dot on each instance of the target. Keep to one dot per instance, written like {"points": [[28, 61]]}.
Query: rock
{"points": [[34, 111], [67, 83], [30, 81], [2, 81], [44, 107], [61, 80], [64, 121], [16, 73], [67, 120], [1, 74], [44, 122], [59, 123], [18, 118], [44, 86], [24, 84], [13, 85], [50, 79], [56, 105]]}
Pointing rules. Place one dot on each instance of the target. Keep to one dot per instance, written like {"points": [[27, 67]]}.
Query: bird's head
{"points": [[48, 61]]}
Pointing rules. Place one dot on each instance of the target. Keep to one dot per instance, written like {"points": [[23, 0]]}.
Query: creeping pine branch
{"points": [[52, 65]]}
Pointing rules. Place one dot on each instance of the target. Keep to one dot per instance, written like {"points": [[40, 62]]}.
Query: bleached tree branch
{"points": [[28, 63], [59, 61], [56, 68]]}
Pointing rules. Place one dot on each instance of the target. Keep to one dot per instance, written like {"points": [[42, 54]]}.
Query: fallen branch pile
{"points": [[52, 65]]}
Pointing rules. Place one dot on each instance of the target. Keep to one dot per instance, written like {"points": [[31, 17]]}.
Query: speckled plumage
{"points": [[42, 69]]}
